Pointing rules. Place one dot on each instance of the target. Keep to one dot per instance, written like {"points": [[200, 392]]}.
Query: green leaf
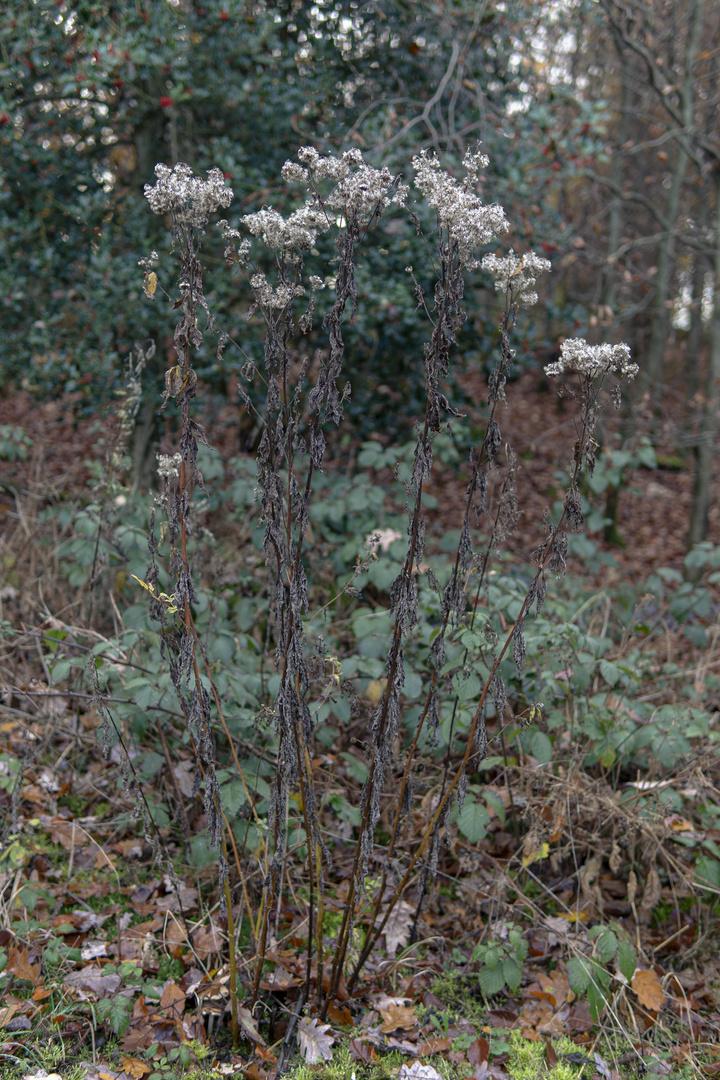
{"points": [[627, 959], [512, 970], [115, 1012], [60, 671], [707, 871], [596, 1000], [491, 980], [496, 802], [610, 672], [540, 747], [578, 976], [492, 957], [473, 821], [607, 946]]}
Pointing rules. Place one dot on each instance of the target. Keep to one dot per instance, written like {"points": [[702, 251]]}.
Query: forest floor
{"points": [[113, 973]]}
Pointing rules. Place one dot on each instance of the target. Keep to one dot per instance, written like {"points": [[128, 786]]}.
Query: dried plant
{"points": [[296, 410]]}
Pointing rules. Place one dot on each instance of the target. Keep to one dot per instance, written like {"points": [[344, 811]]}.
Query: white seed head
{"points": [[517, 274], [299, 230], [188, 198], [469, 223], [168, 466], [593, 360]]}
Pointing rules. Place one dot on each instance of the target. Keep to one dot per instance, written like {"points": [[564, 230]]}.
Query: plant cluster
{"points": [[298, 403]]}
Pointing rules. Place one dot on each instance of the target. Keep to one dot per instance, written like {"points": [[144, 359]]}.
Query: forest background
{"points": [[578, 891]]}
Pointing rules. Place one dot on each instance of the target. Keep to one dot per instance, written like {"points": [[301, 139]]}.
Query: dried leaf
{"points": [[8, 1012], [648, 989], [652, 893], [397, 1016], [398, 926], [362, 1051], [434, 1046], [418, 1071], [632, 887], [19, 964], [478, 1051], [173, 1000], [339, 1014], [134, 1067], [249, 1024], [315, 1040]]}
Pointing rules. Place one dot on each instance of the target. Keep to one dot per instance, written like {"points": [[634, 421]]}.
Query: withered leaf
{"points": [[315, 1040], [19, 964], [249, 1024], [648, 989], [397, 1016], [478, 1051], [91, 980], [173, 1000], [134, 1067], [398, 927]]}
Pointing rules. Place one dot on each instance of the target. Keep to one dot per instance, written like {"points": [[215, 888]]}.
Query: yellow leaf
{"points": [[152, 283], [134, 1067], [375, 690], [535, 854], [150, 588]]}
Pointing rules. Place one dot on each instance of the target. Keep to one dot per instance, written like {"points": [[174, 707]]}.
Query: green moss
{"points": [[528, 1059]]}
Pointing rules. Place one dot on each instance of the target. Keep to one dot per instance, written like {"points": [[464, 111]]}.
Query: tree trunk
{"points": [[707, 435], [652, 378]]}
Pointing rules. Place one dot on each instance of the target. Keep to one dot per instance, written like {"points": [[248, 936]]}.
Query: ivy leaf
{"points": [[316, 1040]]}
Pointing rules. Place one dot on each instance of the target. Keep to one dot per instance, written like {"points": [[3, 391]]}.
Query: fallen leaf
{"points": [[134, 1067], [535, 852], [502, 1018], [249, 1024], [339, 1014], [648, 989], [315, 1040], [478, 1051], [398, 927], [91, 980], [18, 964], [206, 941], [254, 1072], [418, 1071], [397, 1016], [362, 1051], [265, 1055], [173, 1000], [279, 979], [8, 1012], [433, 1046]]}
